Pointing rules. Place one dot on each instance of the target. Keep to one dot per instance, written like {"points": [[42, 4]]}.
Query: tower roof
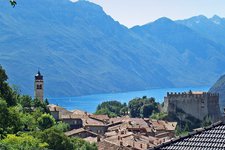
{"points": [[38, 76]]}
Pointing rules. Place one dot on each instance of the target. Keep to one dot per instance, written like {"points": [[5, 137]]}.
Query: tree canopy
{"points": [[143, 107], [112, 109], [138, 107]]}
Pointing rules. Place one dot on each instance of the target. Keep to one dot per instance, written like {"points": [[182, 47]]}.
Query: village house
{"points": [[80, 119], [126, 132], [84, 134]]}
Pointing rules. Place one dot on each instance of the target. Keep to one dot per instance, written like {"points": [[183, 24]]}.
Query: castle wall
{"points": [[198, 105]]}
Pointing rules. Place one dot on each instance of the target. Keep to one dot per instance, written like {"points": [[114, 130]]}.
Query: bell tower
{"points": [[39, 86]]}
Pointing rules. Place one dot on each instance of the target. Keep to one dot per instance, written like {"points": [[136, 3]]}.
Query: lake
{"points": [[90, 102]]}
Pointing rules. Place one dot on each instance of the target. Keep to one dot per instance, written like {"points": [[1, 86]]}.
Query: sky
{"points": [[139, 12]]}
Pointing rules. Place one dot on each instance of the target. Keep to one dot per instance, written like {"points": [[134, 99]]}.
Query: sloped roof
{"points": [[132, 122], [70, 116], [212, 137], [106, 145], [92, 122], [77, 131], [80, 112], [163, 125], [135, 141], [55, 108], [100, 117]]}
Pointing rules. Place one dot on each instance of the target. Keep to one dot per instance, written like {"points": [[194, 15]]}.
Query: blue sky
{"points": [[138, 12]]}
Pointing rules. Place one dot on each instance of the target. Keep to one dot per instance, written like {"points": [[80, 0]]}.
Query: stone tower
{"points": [[39, 86]]}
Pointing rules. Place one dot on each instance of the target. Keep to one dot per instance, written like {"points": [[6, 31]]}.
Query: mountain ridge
{"points": [[81, 50]]}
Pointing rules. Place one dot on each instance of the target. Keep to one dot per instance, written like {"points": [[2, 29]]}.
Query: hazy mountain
{"points": [[219, 87], [78, 48], [211, 28], [197, 56], [81, 50]]}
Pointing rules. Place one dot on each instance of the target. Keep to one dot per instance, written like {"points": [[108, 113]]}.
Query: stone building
{"points": [[39, 86], [196, 104]]}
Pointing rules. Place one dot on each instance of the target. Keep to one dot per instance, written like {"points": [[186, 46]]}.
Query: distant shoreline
{"points": [[90, 102]]}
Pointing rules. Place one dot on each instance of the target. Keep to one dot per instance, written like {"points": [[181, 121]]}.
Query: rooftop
{"points": [[54, 108], [212, 137], [77, 131], [38, 76]]}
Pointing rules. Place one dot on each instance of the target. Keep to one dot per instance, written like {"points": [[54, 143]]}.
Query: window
{"points": [[202, 100], [39, 86]]}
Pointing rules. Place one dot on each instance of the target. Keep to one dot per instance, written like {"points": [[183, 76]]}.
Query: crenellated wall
{"points": [[197, 104]]}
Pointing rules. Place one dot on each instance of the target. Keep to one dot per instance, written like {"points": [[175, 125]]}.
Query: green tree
{"points": [[46, 102], [4, 113], [23, 142], [206, 121], [9, 118], [111, 108], [159, 116], [26, 102], [80, 144], [3, 134], [37, 103], [142, 107], [61, 126], [146, 110], [45, 121], [56, 139], [14, 120], [6, 92], [124, 111], [29, 122], [3, 76]]}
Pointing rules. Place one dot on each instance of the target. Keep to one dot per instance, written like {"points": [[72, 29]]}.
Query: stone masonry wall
{"points": [[198, 105]]}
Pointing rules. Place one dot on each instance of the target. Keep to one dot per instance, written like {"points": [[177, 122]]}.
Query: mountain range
{"points": [[81, 50]]}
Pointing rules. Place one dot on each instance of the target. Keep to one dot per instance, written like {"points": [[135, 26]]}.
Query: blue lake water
{"points": [[90, 102]]}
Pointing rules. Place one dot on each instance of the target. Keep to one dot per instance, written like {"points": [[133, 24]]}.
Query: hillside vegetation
{"points": [[137, 108]]}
